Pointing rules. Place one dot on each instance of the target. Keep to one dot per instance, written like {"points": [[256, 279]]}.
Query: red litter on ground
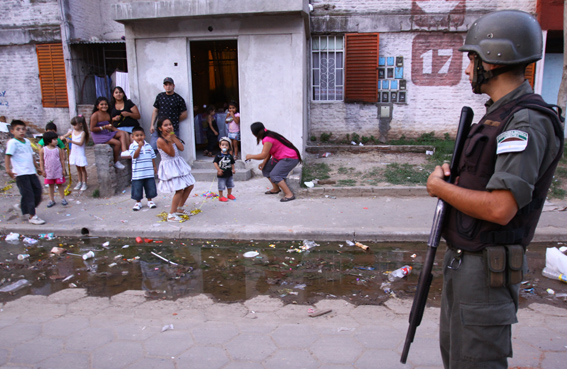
{"points": [[139, 240]]}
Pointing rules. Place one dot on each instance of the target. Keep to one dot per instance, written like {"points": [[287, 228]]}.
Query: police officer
{"points": [[505, 172]]}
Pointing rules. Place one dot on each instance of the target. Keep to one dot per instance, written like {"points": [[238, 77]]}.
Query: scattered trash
{"points": [[309, 184], [272, 246], [30, 241], [68, 278], [148, 240], [556, 260], [350, 243], [345, 329], [46, 236], [330, 197], [563, 249], [15, 286], [399, 273], [112, 265], [360, 144], [13, 237], [353, 143], [364, 247], [139, 240], [413, 256], [106, 244], [167, 327], [164, 259], [325, 155], [550, 291], [365, 268], [429, 152], [88, 255], [23, 256], [125, 246], [72, 285], [552, 274], [57, 250], [300, 286], [316, 313], [308, 245], [251, 254]]}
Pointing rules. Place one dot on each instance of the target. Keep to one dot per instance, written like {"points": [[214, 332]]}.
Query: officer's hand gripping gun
{"points": [[425, 277]]}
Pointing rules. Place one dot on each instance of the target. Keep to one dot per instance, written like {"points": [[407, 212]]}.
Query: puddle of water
{"points": [[219, 269]]}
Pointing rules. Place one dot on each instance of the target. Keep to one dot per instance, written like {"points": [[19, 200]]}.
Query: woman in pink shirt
{"points": [[279, 157]]}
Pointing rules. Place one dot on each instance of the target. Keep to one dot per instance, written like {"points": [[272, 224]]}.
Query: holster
{"points": [[495, 257], [515, 263]]}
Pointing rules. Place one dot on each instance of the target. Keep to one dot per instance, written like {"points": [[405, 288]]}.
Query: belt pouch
{"points": [[515, 263], [496, 262]]}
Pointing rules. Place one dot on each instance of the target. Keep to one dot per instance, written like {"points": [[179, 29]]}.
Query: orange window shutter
{"points": [[530, 74], [52, 75], [361, 67]]}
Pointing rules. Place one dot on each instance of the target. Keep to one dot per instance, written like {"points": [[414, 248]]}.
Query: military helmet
{"points": [[505, 37]]}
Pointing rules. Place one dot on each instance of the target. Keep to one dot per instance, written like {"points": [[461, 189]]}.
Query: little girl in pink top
{"points": [[279, 157]]}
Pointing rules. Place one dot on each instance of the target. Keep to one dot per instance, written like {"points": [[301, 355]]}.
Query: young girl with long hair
{"points": [[104, 132], [174, 173], [79, 138]]}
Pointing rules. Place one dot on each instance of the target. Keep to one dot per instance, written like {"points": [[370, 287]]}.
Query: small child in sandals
{"points": [[224, 164]]}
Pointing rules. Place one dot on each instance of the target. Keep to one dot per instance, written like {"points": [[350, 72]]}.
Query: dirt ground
{"points": [[366, 169]]}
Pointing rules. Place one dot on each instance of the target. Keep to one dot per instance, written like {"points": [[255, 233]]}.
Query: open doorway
{"points": [[214, 70]]}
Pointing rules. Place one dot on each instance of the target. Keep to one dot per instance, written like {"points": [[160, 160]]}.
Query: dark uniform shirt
{"points": [[519, 171]]}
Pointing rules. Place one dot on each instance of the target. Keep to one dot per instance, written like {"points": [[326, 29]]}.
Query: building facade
{"points": [[303, 68]]}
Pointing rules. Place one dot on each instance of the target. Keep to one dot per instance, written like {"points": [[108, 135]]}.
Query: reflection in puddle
{"points": [[177, 268]]}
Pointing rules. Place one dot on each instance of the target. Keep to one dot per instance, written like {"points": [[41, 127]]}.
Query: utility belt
{"points": [[504, 264]]}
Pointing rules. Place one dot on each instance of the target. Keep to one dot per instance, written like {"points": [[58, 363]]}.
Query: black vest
{"points": [[476, 167]]}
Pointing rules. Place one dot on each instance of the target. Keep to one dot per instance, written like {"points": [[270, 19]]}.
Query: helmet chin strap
{"points": [[481, 75]]}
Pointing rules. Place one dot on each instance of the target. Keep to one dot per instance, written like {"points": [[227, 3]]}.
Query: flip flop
{"points": [[272, 193], [286, 199]]}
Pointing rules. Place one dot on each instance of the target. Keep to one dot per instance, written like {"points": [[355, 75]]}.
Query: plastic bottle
{"points": [[552, 274], [399, 273], [15, 286], [23, 256]]}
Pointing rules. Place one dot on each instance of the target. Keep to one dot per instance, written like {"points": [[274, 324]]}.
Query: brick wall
{"points": [[437, 87], [93, 19], [24, 13], [20, 96]]}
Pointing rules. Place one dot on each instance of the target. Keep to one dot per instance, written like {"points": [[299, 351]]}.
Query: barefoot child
{"points": [[52, 164], [21, 166], [143, 169], [174, 173], [224, 163], [79, 138]]}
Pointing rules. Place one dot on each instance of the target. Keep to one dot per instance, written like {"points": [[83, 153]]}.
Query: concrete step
{"points": [[208, 164], [211, 174]]}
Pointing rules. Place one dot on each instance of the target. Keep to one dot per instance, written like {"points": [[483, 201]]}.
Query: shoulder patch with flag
{"points": [[511, 141]]}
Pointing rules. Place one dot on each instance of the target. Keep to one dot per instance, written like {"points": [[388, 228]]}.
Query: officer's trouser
{"points": [[475, 324]]}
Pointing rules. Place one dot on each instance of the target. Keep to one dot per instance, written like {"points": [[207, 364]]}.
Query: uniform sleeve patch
{"points": [[511, 141]]}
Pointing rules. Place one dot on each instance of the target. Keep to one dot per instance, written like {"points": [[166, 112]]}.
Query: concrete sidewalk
{"points": [[70, 329], [254, 215]]}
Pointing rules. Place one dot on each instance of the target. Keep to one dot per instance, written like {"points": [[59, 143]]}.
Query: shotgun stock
{"points": [[425, 277]]}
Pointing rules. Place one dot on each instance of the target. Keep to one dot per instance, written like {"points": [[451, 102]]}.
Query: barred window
{"points": [[327, 60]]}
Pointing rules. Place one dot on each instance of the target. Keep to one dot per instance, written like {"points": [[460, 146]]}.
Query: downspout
{"points": [[65, 36]]}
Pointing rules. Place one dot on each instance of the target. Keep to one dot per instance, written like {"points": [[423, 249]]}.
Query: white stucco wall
{"points": [[271, 54]]}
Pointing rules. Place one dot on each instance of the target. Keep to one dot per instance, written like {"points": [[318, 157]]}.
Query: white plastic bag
{"points": [[556, 260]]}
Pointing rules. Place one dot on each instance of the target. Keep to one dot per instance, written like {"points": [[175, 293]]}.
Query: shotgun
{"points": [[425, 276]]}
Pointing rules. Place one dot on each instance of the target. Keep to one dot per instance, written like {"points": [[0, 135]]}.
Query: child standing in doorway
{"points": [[232, 120], [224, 164], [212, 130], [79, 138], [52, 164], [21, 166], [143, 169], [174, 173]]}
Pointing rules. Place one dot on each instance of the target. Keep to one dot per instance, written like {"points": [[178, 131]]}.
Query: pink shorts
{"points": [[54, 181]]}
